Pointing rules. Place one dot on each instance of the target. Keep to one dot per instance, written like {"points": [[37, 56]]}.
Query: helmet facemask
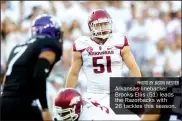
{"points": [[67, 114], [101, 28]]}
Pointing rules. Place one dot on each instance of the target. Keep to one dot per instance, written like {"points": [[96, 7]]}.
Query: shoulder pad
{"points": [[120, 40], [80, 43], [47, 42], [50, 44]]}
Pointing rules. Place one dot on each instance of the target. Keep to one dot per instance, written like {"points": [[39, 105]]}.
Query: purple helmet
{"points": [[45, 25]]}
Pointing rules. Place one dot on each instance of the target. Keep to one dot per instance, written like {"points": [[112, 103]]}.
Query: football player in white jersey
{"points": [[69, 106], [100, 57]]}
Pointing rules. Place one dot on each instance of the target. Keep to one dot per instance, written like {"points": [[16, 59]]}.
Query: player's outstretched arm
{"points": [[76, 65], [130, 62], [41, 72]]}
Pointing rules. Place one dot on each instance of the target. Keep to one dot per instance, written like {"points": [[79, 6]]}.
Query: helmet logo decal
{"points": [[75, 100]]}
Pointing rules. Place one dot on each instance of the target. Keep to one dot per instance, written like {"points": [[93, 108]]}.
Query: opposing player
{"points": [[70, 106], [100, 56], [28, 67]]}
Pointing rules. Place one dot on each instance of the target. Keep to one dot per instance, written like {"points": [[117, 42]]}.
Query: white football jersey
{"points": [[94, 111], [101, 61]]}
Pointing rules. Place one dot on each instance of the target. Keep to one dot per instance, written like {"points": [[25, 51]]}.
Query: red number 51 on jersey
{"points": [[101, 66]]}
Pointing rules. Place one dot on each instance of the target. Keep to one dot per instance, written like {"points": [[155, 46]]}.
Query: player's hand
{"points": [[46, 115]]}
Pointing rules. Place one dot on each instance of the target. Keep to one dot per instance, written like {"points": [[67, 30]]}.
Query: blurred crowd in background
{"points": [[153, 29]]}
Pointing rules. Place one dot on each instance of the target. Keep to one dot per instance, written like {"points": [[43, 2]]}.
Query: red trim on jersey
{"points": [[119, 47], [125, 44], [104, 41], [125, 41], [82, 50], [74, 48]]}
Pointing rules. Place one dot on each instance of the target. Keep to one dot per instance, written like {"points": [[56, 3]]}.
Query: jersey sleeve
{"points": [[126, 41], [121, 41], [79, 45]]}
